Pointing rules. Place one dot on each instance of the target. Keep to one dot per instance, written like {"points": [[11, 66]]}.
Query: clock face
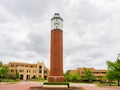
{"points": [[56, 24]]}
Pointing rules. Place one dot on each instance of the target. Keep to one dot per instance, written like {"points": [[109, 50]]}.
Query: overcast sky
{"points": [[91, 31]]}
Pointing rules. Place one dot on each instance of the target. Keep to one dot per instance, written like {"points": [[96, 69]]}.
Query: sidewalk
{"points": [[25, 85], [93, 87], [2, 83]]}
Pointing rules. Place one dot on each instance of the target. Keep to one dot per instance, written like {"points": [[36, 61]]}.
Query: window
{"points": [[45, 71], [12, 70], [40, 67], [103, 72], [12, 65], [40, 71], [20, 70]]}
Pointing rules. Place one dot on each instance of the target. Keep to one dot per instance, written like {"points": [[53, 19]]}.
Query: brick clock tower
{"points": [[56, 50]]}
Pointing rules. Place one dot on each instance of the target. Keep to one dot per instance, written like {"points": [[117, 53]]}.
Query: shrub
{"points": [[40, 79], [56, 83], [8, 80]]}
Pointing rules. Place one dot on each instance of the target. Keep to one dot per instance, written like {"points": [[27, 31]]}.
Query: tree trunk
{"points": [[0, 79], [110, 83]]}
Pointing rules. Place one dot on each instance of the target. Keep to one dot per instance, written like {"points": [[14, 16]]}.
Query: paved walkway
{"points": [[19, 86], [94, 87], [25, 85]]}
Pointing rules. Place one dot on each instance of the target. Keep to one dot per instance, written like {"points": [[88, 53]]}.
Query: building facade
{"points": [[28, 71], [98, 73]]}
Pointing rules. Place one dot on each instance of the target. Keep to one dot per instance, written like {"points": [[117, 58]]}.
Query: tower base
{"points": [[56, 78]]}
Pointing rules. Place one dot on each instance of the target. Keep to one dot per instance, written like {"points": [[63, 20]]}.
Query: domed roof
{"points": [[56, 16]]}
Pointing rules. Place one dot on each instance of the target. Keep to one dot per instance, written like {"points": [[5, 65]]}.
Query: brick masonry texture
{"points": [[56, 56]]}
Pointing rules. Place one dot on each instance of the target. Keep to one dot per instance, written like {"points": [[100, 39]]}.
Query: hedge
{"points": [[56, 83]]}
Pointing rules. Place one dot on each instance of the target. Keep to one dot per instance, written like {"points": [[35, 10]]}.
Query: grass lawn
{"points": [[9, 80], [105, 84]]}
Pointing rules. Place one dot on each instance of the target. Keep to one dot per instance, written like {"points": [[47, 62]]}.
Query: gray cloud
{"points": [[32, 9], [89, 13], [91, 31], [37, 42]]}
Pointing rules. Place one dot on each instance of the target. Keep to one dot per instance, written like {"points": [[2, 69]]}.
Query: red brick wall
{"points": [[56, 55], [56, 79]]}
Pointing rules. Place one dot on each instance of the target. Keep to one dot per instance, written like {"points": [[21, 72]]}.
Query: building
{"points": [[56, 50], [28, 71], [98, 73]]}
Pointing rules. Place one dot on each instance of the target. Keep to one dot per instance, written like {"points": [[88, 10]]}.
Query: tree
{"points": [[67, 75], [40, 78], [75, 77], [0, 64], [17, 75], [3, 70], [87, 75], [115, 67], [11, 75], [0, 70], [110, 76]]}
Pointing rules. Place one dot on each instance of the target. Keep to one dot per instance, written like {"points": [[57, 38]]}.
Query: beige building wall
{"points": [[29, 71], [99, 74]]}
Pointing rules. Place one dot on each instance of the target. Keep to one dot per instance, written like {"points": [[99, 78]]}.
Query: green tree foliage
{"points": [[0, 68], [0, 64], [67, 76], [3, 71], [115, 67], [75, 77], [11, 76], [17, 75], [110, 76], [71, 77], [103, 79], [87, 75], [40, 79]]}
